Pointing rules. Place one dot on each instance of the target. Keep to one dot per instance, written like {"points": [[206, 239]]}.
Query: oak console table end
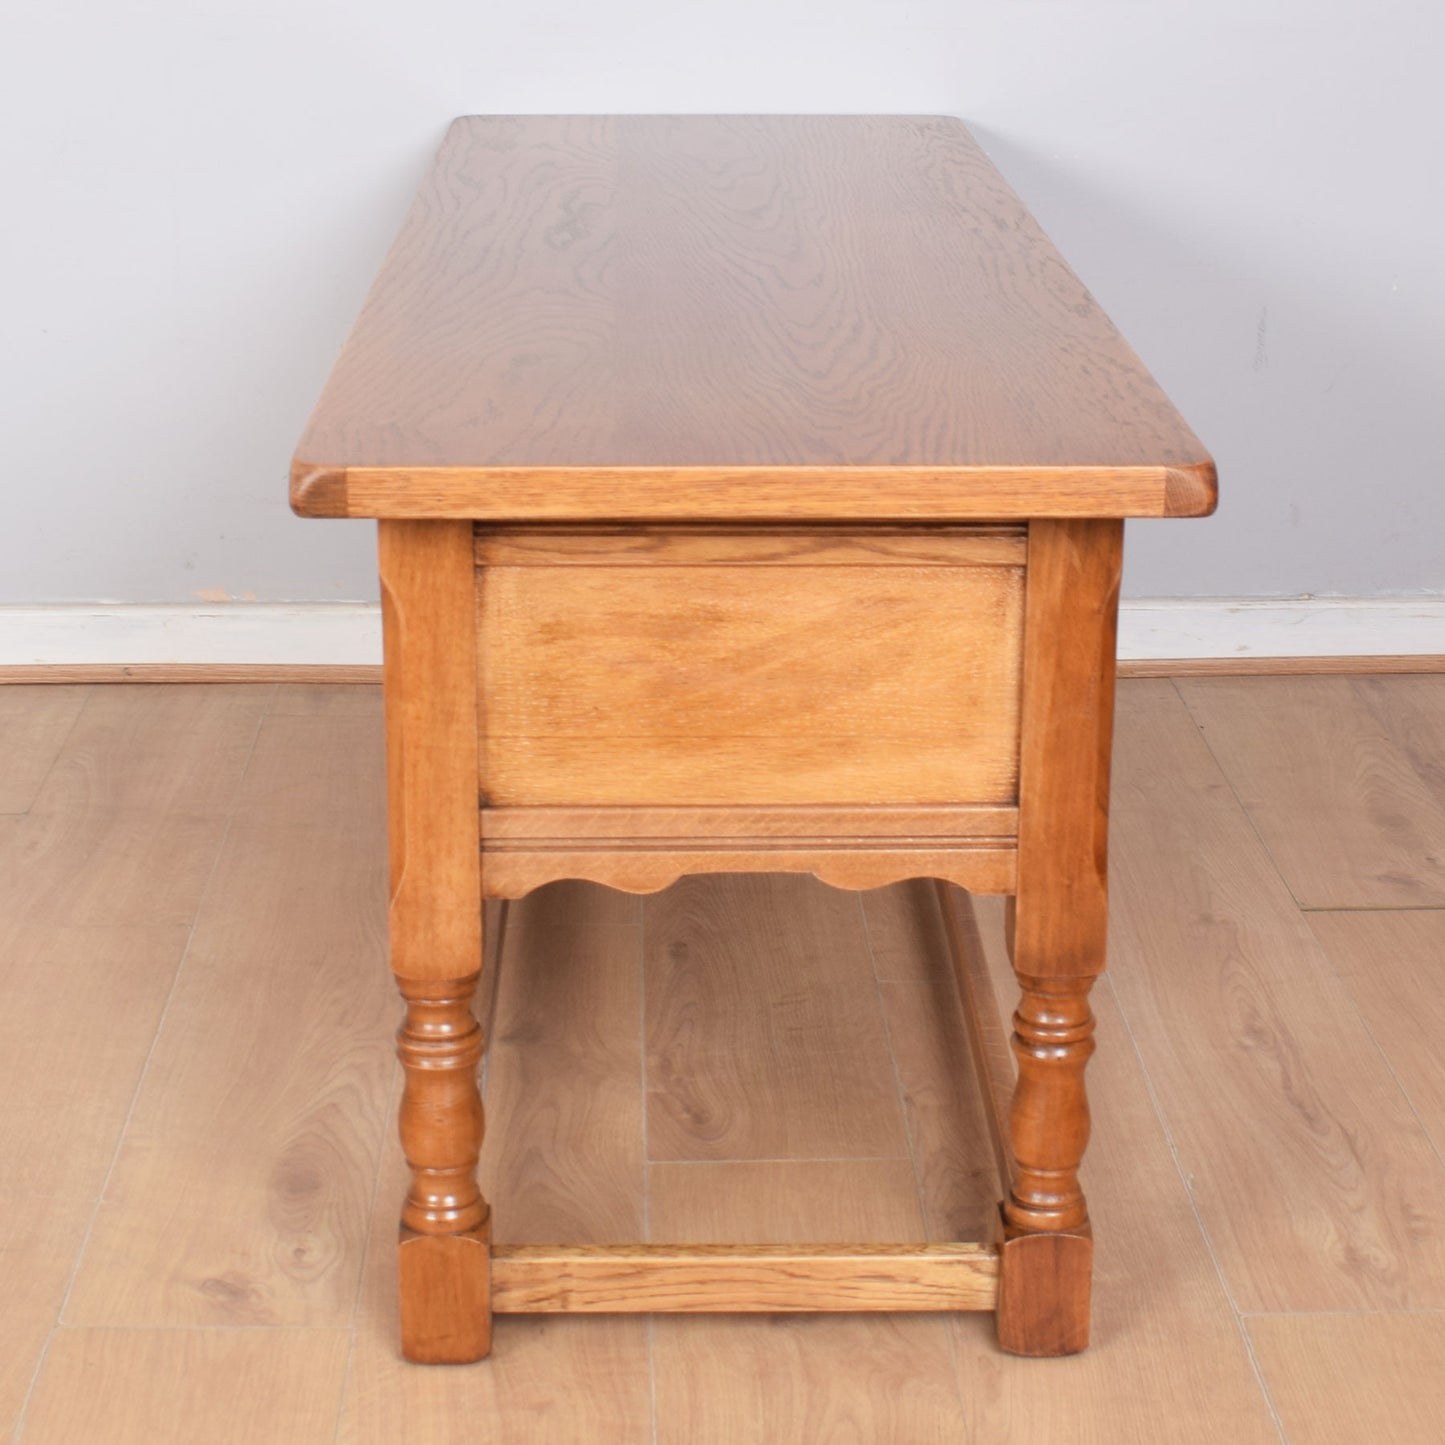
{"points": [[750, 496]]}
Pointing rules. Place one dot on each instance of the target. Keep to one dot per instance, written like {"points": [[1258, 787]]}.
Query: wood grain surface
{"points": [[1066, 744], [326, 676], [125, 829], [735, 316], [39, 1240], [563, 1155], [994, 1066], [735, 1017], [723, 678], [1343, 1379], [724, 1379], [1332, 1197], [1344, 778], [33, 729], [137, 1387], [562, 1159], [784, 1201], [743, 1278], [1168, 1360], [80, 1006], [247, 1205], [1390, 963], [1322, 1154], [431, 739]]}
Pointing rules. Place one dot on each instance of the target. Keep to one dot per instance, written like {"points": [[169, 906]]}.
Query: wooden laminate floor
{"points": [[199, 1181]]}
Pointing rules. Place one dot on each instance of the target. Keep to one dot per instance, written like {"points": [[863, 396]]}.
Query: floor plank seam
{"points": [[1203, 734], [86, 694], [225, 833], [1328, 961], [1384, 1056], [237, 1329], [1371, 907], [1348, 1314], [1185, 1181]]}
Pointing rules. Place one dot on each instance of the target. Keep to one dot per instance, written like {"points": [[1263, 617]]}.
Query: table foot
{"points": [[446, 1316], [445, 1249], [1043, 1294]]}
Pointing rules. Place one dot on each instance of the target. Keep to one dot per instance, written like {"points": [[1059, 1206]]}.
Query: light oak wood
{"points": [[784, 1201], [1390, 964], [445, 1294], [1340, 1379], [1231, 999], [956, 1169], [738, 682], [752, 321], [435, 928], [976, 866], [572, 902], [308, 674], [800, 826], [360, 674], [734, 316], [33, 727], [1361, 664], [762, 1378], [81, 1009], [563, 1157], [311, 700], [1343, 779], [242, 1188], [133, 1387], [1065, 746], [549, 1377], [993, 1063], [763, 1034], [774, 493], [39, 1239], [905, 929], [431, 711], [737, 1377], [82, 1001], [1036, 1272], [1169, 1361], [743, 1278], [125, 829], [440, 1047], [1053, 1039], [884, 1378], [1057, 924], [982, 545]]}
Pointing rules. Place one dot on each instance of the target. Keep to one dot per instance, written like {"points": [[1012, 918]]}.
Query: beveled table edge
{"points": [[753, 494]]}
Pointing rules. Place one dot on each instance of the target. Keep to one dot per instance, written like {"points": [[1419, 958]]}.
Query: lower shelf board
{"points": [[742, 1279]]}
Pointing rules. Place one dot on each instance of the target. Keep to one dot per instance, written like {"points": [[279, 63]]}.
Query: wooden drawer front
{"points": [[690, 667]]}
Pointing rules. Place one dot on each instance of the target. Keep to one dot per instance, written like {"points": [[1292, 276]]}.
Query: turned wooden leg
{"points": [[1057, 926], [428, 593], [1047, 1260], [1049, 1121], [445, 1223]]}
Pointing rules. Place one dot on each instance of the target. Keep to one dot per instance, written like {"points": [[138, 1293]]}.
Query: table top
{"points": [[739, 317]]}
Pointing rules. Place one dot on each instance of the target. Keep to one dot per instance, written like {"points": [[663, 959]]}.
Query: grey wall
{"points": [[196, 194]]}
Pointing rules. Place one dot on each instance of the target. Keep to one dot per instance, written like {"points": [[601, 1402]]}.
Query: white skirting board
{"points": [[349, 633]]}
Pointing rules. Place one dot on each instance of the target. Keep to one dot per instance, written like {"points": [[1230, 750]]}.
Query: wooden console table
{"points": [[750, 495]]}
